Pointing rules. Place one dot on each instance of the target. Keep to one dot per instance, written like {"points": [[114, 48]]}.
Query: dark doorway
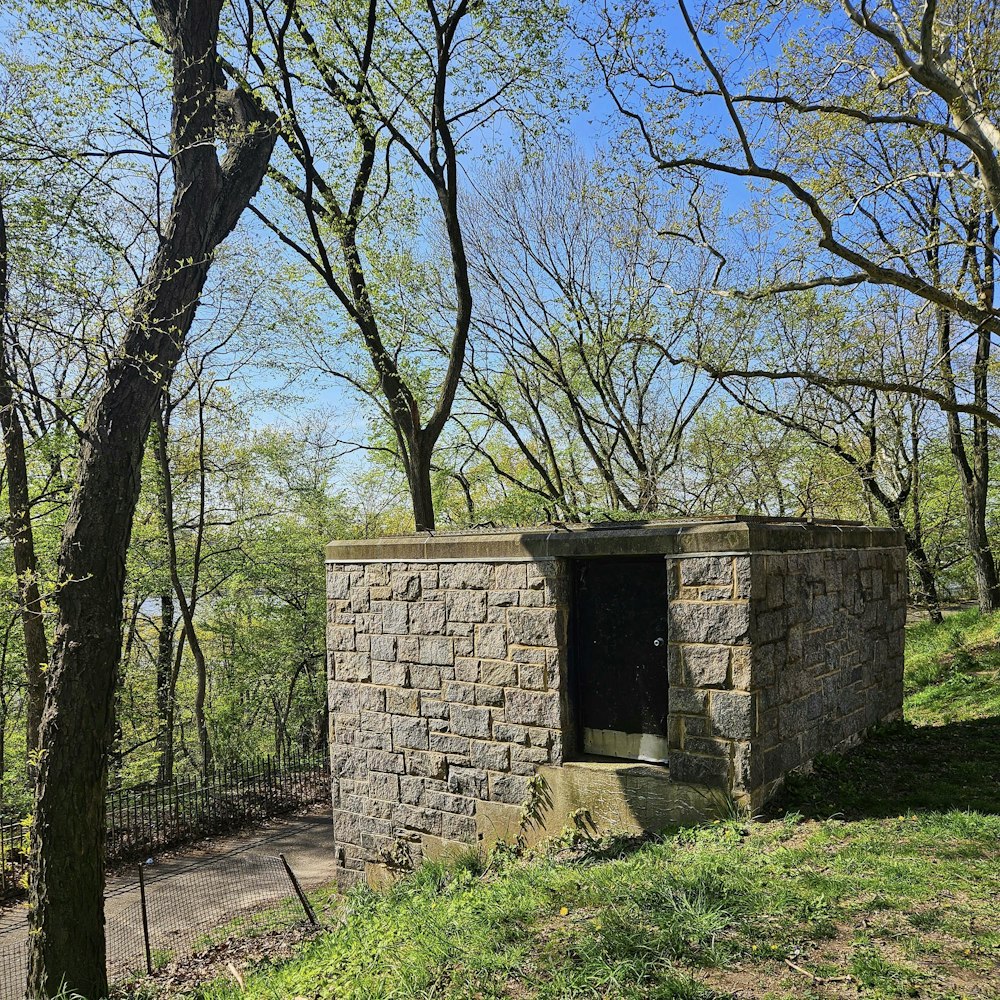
{"points": [[619, 656]]}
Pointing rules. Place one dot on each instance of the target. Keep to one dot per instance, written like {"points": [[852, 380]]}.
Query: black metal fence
{"points": [[146, 819], [167, 916]]}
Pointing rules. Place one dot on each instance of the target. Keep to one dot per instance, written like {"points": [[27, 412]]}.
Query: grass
{"points": [[878, 876]]}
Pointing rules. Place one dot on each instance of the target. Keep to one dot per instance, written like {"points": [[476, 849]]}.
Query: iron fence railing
{"points": [[151, 818], [166, 917]]}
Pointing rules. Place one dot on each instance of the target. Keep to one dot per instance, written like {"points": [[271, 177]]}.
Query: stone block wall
{"points": [[827, 652], [446, 689], [775, 657]]}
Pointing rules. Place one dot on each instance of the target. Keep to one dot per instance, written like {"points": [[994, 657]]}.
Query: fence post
{"points": [[310, 913], [145, 921]]}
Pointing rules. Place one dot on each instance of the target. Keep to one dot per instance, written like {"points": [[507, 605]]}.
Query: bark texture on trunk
{"points": [[165, 689], [19, 530], [417, 461], [67, 945]]}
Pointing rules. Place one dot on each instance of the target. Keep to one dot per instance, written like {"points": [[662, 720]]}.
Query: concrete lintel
{"points": [[692, 537]]}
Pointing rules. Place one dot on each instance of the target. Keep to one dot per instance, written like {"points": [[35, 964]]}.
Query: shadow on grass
{"points": [[902, 768]]}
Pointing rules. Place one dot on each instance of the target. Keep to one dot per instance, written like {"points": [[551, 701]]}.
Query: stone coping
{"points": [[617, 538]]}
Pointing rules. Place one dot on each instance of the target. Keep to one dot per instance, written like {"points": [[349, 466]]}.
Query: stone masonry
{"points": [[449, 674], [446, 689], [777, 656]]}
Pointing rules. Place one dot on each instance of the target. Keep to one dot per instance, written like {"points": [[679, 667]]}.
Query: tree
{"points": [[879, 436], [19, 528], [577, 321], [402, 90], [67, 947], [863, 137]]}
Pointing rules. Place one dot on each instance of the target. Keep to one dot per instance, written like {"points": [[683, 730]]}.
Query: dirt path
{"points": [[219, 874]]}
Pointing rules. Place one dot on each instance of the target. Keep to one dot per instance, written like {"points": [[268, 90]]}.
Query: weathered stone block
{"points": [[434, 708], [408, 648], [383, 647], [700, 571], [707, 746], [340, 638], [450, 744], [698, 770], [424, 676], [458, 828], [343, 697], [707, 666], [531, 627], [533, 708], [390, 674], [402, 701], [734, 715], [382, 760], [406, 585], [489, 756], [394, 616], [741, 667], [425, 618], [409, 733], [503, 599], [371, 698], [688, 701], [491, 641], [382, 785], [449, 802], [459, 693], [467, 606], [427, 765], [486, 694], [533, 678], [469, 781], [437, 650], [509, 733], [498, 672], [511, 576], [466, 721], [465, 576], [352, 666], [509, 788], [715, 622]]}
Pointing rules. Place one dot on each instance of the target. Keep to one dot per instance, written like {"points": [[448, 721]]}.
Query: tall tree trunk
{"points": [[165, 689], [973, 469], [19, 529], [165, 673], [925, 572], [418, 476], [66, 918], [187, 607]]}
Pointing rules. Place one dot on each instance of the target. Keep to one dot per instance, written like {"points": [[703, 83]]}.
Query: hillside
{"points": [[877, 876]]}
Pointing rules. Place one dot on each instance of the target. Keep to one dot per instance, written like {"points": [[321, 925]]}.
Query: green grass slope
{"points": [[878, 876]]}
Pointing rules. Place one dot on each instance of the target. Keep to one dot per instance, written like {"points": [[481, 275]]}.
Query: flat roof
{"points": [[661, 537]]}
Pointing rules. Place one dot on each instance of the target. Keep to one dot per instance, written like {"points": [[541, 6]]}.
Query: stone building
{"points": [[624, 676]]}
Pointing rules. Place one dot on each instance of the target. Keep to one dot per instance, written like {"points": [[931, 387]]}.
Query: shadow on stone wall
{"points": [[903, 768]]}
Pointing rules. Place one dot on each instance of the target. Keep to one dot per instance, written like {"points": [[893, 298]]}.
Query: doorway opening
{"points": [[618, 656]]}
